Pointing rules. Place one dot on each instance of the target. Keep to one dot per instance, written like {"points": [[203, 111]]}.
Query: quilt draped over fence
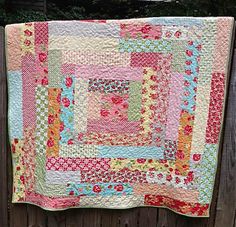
{"points": [[117, 113]]}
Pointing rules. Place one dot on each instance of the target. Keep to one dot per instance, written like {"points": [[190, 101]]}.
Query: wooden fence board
{"points": [[36, 216], [129, 217], [74, 218], [91, 217], [147, 217], [18, 215], [168, 218], [83, 217], [3, 134], [110, 218], [56, 219]]}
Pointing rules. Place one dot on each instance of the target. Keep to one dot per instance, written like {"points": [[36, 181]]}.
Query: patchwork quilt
{"points": [[117, 113]]}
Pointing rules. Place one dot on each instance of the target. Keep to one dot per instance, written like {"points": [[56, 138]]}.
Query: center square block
{"points": [[125, 111]]}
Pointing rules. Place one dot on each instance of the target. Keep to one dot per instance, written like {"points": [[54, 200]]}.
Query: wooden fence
{"points": [[223, 209]]}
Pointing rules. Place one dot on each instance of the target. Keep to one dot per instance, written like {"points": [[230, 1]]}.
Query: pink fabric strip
{"points": [[146, 31], [41, 33], [182, 194], [174, 107], [109, 72], [52, 202], [41, 52], [68, 69], [215, 108], [145, 59], [222, 43], [75, 164], [28, 84], [113, 126]]}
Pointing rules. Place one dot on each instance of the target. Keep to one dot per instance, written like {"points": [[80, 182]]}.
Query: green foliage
{"points": [[103, 9], [96, 9], [71, 13], [116, 9], [21, 16]]}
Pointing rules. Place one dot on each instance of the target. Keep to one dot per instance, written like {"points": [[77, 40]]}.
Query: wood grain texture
{"points": [[147, 217], [36, 216], [74, 218], [18, 215], [92, 217], [129, 217], [3, 134], [110, 218], [168, 218], [56, 219]]}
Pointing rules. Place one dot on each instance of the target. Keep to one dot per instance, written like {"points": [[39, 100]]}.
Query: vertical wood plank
{"points": [[56, 218], [18, 215], [147, 217], [92, 217], [110, 218], [167, 218], [3, 134], [74, 218], [129, 217], [83, 217], [226, 204], [36, 216]]}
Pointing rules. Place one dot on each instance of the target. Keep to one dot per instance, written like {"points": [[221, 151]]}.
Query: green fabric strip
{"points": [[54, 70], [207, 171], [135, 101], [178, 60]]}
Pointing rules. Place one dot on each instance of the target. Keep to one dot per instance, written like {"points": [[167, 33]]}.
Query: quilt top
{"points": [[117, 113]]}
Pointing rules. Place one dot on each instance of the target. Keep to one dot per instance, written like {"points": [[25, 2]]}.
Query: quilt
{"points": [[117, 113]]}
